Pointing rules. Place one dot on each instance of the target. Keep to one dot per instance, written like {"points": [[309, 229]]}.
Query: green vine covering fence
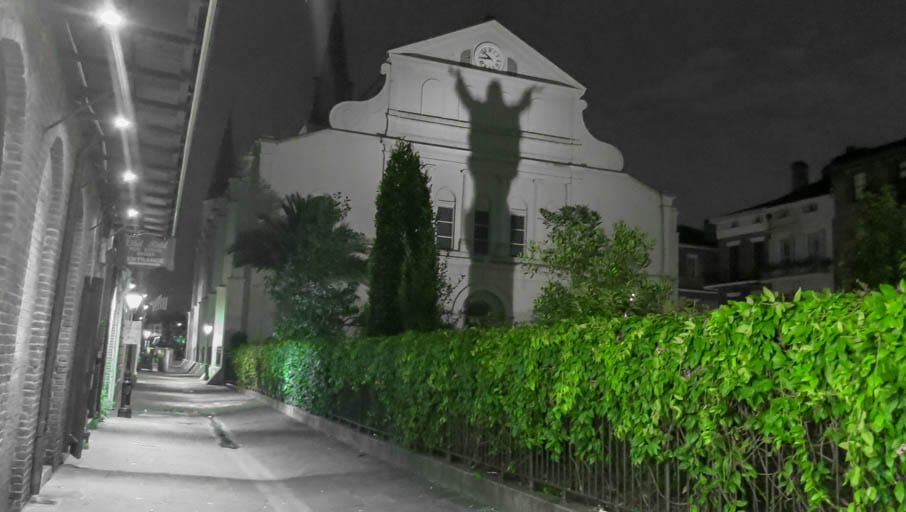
{"points": [[761, 405]]}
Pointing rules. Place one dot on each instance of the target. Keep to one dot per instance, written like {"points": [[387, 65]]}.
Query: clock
{"points": [[488, 55]]}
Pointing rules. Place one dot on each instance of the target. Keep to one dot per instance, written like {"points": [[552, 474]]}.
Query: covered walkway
{"points": [[193, 447]]}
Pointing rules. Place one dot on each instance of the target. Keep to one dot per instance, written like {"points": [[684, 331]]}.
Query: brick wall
{"points": [[35, 178], [77, 268]]}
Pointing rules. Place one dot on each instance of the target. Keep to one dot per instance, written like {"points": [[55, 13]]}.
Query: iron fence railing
{"points": [[614, 482]]}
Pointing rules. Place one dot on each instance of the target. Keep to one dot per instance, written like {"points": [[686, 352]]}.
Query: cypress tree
{"points": [[405, 279]]}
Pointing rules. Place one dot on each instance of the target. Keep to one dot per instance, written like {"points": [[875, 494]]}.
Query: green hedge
{"points": [[290, 371], [712, 393]]}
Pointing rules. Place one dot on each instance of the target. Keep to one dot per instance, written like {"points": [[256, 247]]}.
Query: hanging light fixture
{"points": [[133, 300]]}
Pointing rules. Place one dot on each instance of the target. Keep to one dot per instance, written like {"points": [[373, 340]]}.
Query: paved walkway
{"points": [[175, 455]]}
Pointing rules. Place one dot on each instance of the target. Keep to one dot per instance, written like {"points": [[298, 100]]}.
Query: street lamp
{"points": [[132, 213], [207, 329], [133, 301], [129, 176]]}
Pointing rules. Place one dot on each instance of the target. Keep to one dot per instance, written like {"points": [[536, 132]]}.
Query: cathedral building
{"points": [[500, 131]]}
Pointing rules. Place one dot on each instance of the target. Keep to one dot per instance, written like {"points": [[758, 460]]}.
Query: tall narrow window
{"points": [[444, 227], [859, 182], [734, 262], [692, 265], [517, 234], [758, 255], [481, 232], [787, 250], [815, 245]]}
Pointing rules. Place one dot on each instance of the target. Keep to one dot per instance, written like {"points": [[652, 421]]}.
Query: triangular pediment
{"points": [[456, 46]]}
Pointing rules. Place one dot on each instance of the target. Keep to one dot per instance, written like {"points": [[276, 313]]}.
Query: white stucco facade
{"points": [[497, 143], [797, 240]]}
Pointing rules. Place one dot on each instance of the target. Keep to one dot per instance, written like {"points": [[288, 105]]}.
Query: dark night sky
{"points": [[710, 100]]}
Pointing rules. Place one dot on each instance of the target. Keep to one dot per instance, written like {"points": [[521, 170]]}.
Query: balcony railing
{"points": [[809, 265]]}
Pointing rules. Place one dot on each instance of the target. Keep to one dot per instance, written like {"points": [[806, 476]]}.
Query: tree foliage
{"points": [[877, 252], [405, 279], [593, 273], [314, 264]]}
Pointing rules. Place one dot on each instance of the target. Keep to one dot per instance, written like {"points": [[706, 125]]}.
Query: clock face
{"points": [[487, 55]]}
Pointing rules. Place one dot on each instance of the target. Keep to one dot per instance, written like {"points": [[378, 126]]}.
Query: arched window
{"points": [[432, 102], [484, 308]]}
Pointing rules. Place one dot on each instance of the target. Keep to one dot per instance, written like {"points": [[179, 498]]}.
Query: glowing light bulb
{"points": [[121, 123], [110, 17], [133, 300]]}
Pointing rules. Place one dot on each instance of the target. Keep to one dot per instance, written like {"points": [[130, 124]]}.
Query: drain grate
{"points": [[222, 436]]}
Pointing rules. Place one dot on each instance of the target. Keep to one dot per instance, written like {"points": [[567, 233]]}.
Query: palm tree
{"points": [[314, 264]]}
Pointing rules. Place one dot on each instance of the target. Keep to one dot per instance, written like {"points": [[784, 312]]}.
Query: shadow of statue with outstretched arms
{"points": [[495, 236]]}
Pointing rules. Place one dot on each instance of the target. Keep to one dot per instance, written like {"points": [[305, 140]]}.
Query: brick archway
{"points": [[38, 287], [75, 254], [12, 104]]}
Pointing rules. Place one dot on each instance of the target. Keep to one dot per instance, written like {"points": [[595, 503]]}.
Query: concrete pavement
{"points": [[193, 447]]}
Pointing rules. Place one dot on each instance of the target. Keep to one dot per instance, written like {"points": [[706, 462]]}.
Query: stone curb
{"points": [[496, 494]]}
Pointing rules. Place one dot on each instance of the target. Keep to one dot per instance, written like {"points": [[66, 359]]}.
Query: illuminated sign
{"points": [[147, 251]]}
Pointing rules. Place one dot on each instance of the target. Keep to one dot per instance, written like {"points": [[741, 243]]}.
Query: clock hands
{"points": [[485, 58]]}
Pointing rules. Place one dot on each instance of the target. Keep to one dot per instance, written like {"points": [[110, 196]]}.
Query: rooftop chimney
{"points": [[799, 174]]}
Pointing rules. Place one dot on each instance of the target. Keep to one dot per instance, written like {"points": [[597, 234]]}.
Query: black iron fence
{"points": [[614, 482]]}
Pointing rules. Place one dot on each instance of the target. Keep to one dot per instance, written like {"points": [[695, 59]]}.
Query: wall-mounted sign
{"points": [[132, 333], [147, 251]]}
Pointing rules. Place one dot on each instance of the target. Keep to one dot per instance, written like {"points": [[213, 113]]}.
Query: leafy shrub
{"points": [[290, 371], [758, 389]]}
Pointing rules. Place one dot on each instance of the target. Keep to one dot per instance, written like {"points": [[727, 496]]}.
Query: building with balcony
{"points": [[784, 244]]}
